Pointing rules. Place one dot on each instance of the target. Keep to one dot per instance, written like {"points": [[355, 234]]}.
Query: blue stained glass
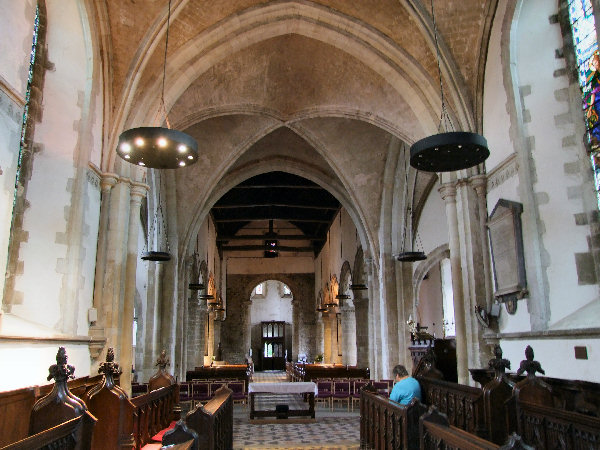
{"points": [[585, 41]]}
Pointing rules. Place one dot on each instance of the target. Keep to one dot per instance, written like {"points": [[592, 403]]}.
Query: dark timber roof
{"points": [[275, 196]]}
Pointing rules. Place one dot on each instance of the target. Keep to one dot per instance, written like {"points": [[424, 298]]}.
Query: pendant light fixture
{"points": [[409, 255], [449, 150], [156, 255], [158, 147]]}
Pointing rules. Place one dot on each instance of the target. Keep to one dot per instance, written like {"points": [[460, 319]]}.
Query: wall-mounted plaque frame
{"points": [[508, 260]]}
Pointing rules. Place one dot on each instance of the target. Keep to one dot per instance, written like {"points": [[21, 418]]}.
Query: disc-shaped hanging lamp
{"points": [[195, 286], [358, 287], [411, 256], [158, 147], [156, 256], [206, 297], [447, 152]]}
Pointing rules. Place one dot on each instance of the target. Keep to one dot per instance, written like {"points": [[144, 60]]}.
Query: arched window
{"points": [[585, 42]]}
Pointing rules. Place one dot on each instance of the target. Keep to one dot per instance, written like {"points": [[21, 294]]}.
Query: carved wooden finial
{"points": [[162, 362], [498, 363], [110, 368], [529, 365], [61, 371]]}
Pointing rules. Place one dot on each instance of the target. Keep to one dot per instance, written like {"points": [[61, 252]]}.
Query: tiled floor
{"points": [[337, 429]]}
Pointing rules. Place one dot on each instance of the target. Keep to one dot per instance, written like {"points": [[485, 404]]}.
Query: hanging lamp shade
{"points": [[447, 152], [195, 286], [157, 148], [342, 296], [321, 308], [206, 297], [411, 256], [358, 287], [156, 256]]}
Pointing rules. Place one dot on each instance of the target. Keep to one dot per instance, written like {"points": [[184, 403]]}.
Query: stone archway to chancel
{"points": [[239, 291], [271, 325]]}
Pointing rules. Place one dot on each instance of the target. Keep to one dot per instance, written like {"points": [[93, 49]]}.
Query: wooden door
{"points": [[273, 345]]}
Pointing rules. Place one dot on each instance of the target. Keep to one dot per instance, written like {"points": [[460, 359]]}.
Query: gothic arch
{"points": [[434, 257]]}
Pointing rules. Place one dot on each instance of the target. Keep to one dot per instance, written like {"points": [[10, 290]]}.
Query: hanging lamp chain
{"points": [[162, 95], [445, 121]]}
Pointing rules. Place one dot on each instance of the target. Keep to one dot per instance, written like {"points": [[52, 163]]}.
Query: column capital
{"points": [[448, 192], [138, 190], [107, 181], [479, 183]]}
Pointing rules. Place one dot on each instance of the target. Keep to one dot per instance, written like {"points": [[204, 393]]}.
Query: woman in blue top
{"points": [[406, 388]]}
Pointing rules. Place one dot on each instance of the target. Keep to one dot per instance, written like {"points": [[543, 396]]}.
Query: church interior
{"points": [[301, 231]]}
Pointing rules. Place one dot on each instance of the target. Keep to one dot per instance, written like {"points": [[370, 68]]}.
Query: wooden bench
{"points": [[436, 433], [57, 420], [385, 424], [231, 371], [213, 422]]}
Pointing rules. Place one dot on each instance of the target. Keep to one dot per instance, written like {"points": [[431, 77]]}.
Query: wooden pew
{"points": [[387, 425], [153, 412], [436, 433], [213, 422], [74, 434], [462, 404], [111, 406], [19, 402], [230, 371], [59, 419]]}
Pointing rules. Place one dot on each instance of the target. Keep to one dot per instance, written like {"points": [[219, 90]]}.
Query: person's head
{"points": [[400, 372]]}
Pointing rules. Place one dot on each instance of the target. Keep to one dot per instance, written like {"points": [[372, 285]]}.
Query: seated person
{"points": [[406, 388]]}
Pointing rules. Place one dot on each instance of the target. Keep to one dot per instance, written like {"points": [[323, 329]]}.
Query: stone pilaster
{"points": [[193, 331], [295, 328], [137, 193], [448, 193], [96, 330], [361, 315], [349, 352], [327, 356]]}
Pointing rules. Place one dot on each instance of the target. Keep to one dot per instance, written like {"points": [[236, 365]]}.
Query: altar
{"points": [[277, 397]]}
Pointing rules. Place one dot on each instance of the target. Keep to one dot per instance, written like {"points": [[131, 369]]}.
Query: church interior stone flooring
{"points": [[337, 429]]}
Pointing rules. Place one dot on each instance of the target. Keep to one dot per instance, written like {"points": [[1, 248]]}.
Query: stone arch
{"points": [[345, 282], [434, 257], [296, 167], [257, 24]]}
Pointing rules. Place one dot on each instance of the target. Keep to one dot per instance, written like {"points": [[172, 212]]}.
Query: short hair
{"points": [[400, 370]]}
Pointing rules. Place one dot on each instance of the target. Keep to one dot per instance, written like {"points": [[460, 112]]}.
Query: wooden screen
{"points": [[273, 345]]}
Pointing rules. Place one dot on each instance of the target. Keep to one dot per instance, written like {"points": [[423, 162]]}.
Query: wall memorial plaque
{"points": [[506, 240]]}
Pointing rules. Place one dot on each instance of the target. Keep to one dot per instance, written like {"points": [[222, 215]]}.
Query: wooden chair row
{"points": [[310, 372]]}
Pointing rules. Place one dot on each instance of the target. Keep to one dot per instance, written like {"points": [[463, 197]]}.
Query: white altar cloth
{"points": [[303, 387]]}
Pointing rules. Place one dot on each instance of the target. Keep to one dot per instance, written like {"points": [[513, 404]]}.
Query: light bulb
{"points": [[162, 142]]}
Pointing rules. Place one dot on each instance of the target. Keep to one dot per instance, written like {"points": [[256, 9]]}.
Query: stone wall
{"points": [[235, 330]]}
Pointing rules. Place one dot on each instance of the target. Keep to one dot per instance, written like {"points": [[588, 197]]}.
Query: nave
{"points": [[333, 429]]}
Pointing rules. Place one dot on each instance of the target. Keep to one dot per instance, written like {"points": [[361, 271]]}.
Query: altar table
{"points": [[306, 389]]}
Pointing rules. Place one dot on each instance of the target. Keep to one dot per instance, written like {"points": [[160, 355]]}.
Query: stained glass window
{"points": [[34, 43], [585, 42]]}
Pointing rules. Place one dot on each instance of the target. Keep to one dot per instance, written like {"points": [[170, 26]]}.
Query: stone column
{"points": [[211, 335], [327, 357], [137, 193], [152, 344], [479, 183], [96, 330], [349, 353], [295, 329], [448, 193], [193, 331], [361, 315], [246, 330], [335, 356]]}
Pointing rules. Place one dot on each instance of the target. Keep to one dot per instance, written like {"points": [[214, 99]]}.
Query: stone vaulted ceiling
{"points": [[249, 78]]}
